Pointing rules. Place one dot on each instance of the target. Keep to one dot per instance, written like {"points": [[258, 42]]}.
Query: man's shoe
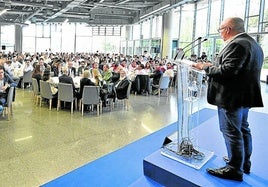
{"points": [[246, 167], [226, 159], [226, 173]]}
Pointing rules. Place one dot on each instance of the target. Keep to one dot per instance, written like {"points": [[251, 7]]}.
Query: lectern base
{"points": [[194, 161]]}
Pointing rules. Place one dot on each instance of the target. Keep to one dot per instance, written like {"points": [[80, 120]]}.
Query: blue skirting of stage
{"points": [[124, 167]]}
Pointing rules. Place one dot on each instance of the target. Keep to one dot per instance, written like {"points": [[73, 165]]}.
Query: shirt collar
{"points": [[232, 38]]}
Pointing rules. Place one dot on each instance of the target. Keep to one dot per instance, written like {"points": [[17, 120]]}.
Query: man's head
{"points": [[231, 27], [82, 63], [70, 64], [64, 70], [123, 73], [105, 67], [2, 72]]}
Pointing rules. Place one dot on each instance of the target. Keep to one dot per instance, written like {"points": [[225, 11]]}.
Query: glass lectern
{"points": [[182, 145]]}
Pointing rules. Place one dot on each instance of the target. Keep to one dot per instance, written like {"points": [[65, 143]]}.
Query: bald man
{"points": [[234, 87]]}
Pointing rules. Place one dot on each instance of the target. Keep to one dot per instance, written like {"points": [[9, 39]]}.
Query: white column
{"points": [[167, 35]]}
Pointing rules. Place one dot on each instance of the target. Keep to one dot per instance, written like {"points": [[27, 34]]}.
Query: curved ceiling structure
{"points": [[104, 12]]}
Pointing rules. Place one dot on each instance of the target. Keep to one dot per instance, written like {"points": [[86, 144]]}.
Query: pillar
{"points": [[167, 35]]}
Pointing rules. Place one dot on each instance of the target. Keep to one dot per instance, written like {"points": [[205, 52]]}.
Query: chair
{"points": [[126, 100], [8, 105], [142, 84], [66, 94], [110, 96], [26, 78], [36, 92], [91, 96], [163, 85], [46, 93]]}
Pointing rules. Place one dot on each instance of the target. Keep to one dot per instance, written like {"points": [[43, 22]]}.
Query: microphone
{"points": [[199, 38], [180, 51], [205, 39]]}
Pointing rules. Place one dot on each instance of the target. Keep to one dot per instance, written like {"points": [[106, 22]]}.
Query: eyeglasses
{"points": [[219, 29]]}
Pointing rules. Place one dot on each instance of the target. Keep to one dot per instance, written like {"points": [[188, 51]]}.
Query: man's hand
{"points": [[201, 65]]}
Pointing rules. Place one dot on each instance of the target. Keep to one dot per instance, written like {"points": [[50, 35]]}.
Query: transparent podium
{"points": [[182, 145]]}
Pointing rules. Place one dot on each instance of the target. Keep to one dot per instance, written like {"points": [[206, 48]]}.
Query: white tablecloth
{"points": [[75, 79]]}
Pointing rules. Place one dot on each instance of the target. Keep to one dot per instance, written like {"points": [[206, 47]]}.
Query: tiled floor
{"points": [[38, 145]]}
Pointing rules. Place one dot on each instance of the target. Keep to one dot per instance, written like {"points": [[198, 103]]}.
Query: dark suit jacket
{"points": [[80, 70], [38, 77], [234, 81], [66, 79], [121, 88], [73, 71], [11, 82], [84, 82], [156, 76]]}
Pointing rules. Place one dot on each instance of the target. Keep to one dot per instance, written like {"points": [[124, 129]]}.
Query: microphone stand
{"points": [[181, 50]]}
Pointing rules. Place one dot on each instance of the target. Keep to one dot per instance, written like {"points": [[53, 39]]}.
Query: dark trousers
{"points": [[237, 135]]}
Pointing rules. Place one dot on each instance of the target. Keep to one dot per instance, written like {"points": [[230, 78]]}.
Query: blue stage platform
{"points": [[124, 167]]}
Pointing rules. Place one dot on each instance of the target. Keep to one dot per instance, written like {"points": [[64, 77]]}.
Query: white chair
{"points": [[46, 93], [91, 96], [36, 92], [126, 100], [26, 78], [65, 94], [8, 105], [163, 85]]}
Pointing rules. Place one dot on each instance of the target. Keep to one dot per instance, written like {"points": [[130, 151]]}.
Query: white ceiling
{"points": [[104, 12]]}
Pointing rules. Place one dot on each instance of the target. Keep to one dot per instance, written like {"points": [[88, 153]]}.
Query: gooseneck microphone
{"points": [[199, 38], [205, 39], [199, 43], [179, 53]]}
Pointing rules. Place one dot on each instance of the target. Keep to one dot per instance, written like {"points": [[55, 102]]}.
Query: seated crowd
{"points": [[112, 72]]}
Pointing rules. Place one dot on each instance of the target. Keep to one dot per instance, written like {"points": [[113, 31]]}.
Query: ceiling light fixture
{"points": [[3, 11], [66, 20], [28, 22], [154, 11]]}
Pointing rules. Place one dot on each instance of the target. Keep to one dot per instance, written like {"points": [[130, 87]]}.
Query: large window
{"points": [[136, 32], [28, 40], [201, 19], [157, 27], [83, 38], [146, 29], [235, 8], [68, 37], [8, 37], [265, 18], [42, 37], [215, 16], [71, 37], [56, 30], [253, 19], [187, 19]]}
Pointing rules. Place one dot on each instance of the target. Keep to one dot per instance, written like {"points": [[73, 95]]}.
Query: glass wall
{"points": [[201, 18], [8, 38], [253, 17], [187, 22], [28, 39], [237, 10], [71, 37], [215, 18]]}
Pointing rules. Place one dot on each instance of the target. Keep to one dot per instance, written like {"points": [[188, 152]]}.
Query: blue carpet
{"points": [[173, 174], [122, 167]]}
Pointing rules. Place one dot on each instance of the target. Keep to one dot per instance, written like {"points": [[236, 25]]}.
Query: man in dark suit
{"points": [[5, 83], [121, 86], [64, 78], [71, 69], [234, 87]]}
